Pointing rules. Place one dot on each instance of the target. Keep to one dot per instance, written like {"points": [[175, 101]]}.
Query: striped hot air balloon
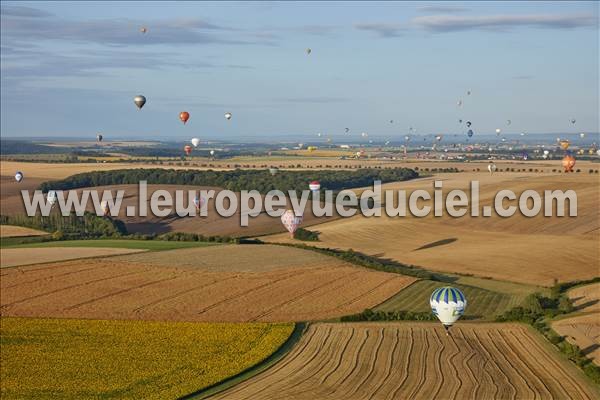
{"points": [[448, 304]]}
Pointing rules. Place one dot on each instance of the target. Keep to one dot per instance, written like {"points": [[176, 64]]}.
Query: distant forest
{"points": [[235, 180]]}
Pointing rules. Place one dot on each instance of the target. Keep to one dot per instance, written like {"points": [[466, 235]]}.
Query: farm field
{"points": [[483, 303], [586, 298], [563, 249], [18, 231], [230, 283], [13, 257], [584, 331], [417, 361], [86, 359], [154, 245]]}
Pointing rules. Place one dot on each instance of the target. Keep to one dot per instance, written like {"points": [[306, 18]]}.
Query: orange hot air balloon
{"points": [[184, 116], [568, 162], [564, 144], [188, 150]]}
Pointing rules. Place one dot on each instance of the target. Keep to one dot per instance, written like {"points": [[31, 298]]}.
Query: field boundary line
{"points": [[75, 259], [299, 329]]}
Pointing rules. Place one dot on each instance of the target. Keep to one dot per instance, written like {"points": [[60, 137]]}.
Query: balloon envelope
{"points": [[99, 137], [187, 149], [51, 197], [314, 186], [568, 162], [291, 221], [184, 116], [448, 304], [228, 115], [564, 144], [195, 142], [19, 176], [139, 101]]}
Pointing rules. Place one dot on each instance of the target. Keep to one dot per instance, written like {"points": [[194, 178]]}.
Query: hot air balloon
{"points": [[143, 29], [492, 168], [522, 133], [573, 120], [99, 137], [503, 140], [459, 103], [582, 135], [439, 137], [187, 149], [198, 202], [508, 122], [498, 131], [448, 304], [291, 221], [564, 144], [525, 156], [311, 148], [568, 162], [470, 133], [314, 186], [364, 134], [319, 134], [358, 154], [195, 142], [407, 138], [19, 176], [273, 171], [52, 197], [212, 153], [105, 208], [460, 121], [139, 101], [347, 130], [468, 124], [308, 51], [228, 116], [469, 92], [184, 116]]}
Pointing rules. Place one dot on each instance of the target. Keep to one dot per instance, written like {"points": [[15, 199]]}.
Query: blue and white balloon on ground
{"points": [[19, 176], [448, 304]]}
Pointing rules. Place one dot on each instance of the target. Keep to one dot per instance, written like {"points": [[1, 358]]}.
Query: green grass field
{"points": [[486, 298], [91, 359], [154, 245]]}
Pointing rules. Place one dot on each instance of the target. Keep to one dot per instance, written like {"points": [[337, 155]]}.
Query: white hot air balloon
{"points": [[195, 142], [52, 197], [105, 208], [498, 131], [228, 116], [448, 304], [273, 171], [212, 152], [314, 186], [19, 176], [291, 221], [198, 202], [492, 168]]}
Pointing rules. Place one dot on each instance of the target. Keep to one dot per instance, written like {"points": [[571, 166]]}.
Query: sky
{"points": [[71, 69]]}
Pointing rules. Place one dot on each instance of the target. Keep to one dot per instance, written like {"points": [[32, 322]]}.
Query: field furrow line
{"points": [[178, 294], [387, 372], [562, 376], [537, 374], [504, 364], [54, 276], [405, 365], [307, 361], [299, 297], [269, 373], [467, 368], [339, 359], [371, 366], [69, 288], [500, 389], [456, 383], [234, 297], [348, 368], [355, 362], [118, 292]]}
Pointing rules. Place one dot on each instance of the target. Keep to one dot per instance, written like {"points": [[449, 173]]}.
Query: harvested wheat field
{"points": [[417, 361], [528, 250], [19, 231], [17, 257], [584, 331], [233, 283], [586, 298]]}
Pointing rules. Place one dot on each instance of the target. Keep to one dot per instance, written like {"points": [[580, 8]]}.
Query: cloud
{"points": [[452, 23], [442, 9], [20, 11], [386, 30]]}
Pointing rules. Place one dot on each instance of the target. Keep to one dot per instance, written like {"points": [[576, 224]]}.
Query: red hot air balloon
{"points": [[184, 116], [568, 162], [188, 150], [314, 186]]}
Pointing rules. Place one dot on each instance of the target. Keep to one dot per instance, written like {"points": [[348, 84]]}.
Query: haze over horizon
{"points": [[72, 69]]}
